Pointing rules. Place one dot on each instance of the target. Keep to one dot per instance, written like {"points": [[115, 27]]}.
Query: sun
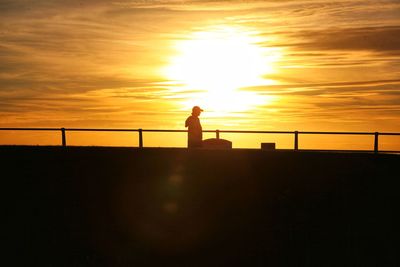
{"points": [[214, 65]]}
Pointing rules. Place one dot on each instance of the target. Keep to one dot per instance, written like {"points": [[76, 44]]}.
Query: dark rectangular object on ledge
{"points": [[268, 146], [217, 143]]}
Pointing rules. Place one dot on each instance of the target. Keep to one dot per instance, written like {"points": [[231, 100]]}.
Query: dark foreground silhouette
{"points": [[178, 207]]}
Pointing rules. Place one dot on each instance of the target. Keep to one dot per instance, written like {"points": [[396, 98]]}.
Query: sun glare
{"points": [[214, 65]]}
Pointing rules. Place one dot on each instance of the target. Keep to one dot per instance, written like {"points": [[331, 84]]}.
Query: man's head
{"points": [[196, 110]]}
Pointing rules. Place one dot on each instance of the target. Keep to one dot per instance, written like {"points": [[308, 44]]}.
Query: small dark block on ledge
{"points": [[268, 146]]}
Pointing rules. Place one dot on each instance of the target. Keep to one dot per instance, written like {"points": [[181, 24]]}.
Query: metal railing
{"points": [[217, 133]]}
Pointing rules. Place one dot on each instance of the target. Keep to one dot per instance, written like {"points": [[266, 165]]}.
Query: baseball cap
{"points": [[197, 108]]}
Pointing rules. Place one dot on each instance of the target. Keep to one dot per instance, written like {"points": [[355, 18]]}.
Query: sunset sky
{"points": [[251, 65]]}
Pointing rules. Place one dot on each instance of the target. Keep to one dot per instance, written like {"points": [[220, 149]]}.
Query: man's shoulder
{"points": [[189, 121], [192, 120]]}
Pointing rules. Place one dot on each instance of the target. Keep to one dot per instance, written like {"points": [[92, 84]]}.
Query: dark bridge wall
{"points": [[121, 207]]}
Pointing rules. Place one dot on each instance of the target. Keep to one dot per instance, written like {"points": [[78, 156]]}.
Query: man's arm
{"points": [[187, 122]]}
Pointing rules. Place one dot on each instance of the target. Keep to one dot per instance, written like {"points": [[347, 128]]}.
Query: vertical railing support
{"points": [[376, 142], [63, 138], [296, 140], [217, 133], [140, 138]]}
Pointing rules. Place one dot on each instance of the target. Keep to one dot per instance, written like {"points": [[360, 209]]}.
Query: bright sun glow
{"points": [[216, 64]]}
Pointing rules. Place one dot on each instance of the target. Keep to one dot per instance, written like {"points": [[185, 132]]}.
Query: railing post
{"points": [[376, 142], [63, 138], [217, 133], [140, 138], [296, 140]]}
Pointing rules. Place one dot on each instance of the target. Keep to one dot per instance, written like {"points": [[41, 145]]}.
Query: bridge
{"points": [[63, 131]]}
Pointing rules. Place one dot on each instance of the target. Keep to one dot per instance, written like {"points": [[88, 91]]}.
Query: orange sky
{"points": [[252, 65]]}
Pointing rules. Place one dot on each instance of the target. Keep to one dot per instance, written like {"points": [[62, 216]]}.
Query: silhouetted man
{"points": [[195, 132]]}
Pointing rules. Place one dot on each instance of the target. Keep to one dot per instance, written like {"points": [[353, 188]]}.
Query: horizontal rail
{"points": [[184, 131], [217, 132], [389, 133], [100, 130], [29, 129], [342, 133]]}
